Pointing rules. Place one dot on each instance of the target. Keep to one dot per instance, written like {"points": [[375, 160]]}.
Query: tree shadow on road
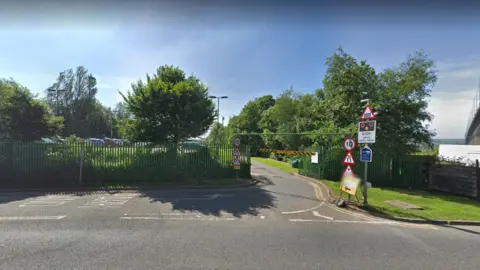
{"points": [[215, 202], [12, 196], [239, 202]]}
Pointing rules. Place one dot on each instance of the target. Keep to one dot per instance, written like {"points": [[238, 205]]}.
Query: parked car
{"points": [[118, 142], [95, 141]]}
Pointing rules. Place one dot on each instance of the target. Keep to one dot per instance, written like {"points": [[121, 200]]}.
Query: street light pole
{"points": [[218, 105]]}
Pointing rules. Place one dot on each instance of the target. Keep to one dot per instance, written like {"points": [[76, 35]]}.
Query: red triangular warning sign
{"points": [[348, 171], [367, 114], [348, 160]]}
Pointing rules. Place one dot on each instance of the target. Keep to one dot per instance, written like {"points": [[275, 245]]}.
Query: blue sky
{"points": [[240, 56]]}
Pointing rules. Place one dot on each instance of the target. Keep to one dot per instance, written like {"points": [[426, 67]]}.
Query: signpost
{"points": [[346, 185], [348, 160], [367, 131], [348, 171], [367, 128], [349, 144], [236, 155], [350, 184], [366, 154]]}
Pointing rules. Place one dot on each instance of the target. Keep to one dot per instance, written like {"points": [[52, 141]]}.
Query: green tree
{"points": [[401, 103], [398, 95], [248, 121], [73, 97], [169, 107], [23, 117], [218, 135]]}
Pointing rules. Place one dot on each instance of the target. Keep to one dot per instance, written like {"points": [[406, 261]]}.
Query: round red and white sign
{"points": [[349, 144]]}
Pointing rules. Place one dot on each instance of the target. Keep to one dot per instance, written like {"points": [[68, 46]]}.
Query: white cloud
{"points": [[452, 99], [451, 111]]}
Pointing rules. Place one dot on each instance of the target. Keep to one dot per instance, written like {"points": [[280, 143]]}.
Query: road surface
{"points": [[281, 224]]}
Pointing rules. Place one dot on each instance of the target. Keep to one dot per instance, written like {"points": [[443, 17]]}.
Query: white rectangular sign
{"points": [[315, 158], [367, 131]]}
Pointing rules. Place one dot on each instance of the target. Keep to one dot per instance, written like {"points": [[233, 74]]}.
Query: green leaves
{"points": [[22, 116], [397, 94], [168, 107]]}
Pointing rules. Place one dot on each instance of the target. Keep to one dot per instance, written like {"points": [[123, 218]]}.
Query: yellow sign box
{"points": [[350, 184]]}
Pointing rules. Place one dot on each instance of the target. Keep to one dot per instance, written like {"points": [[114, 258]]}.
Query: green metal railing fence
{"points": [[66, 164], [384, 170]]}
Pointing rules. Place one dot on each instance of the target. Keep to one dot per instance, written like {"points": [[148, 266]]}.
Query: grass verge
{"points": [[277, 164], [435, 205]]}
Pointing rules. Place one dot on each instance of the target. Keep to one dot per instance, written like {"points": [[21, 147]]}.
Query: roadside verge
{"points": [[436, 208]]}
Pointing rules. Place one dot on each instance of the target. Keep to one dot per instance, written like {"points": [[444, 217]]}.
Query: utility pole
{"points": [[218, 105]]}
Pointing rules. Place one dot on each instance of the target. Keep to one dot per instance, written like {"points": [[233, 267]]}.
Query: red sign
{"points": [[348, 160], [349, 144], [367, 114], [348, 170]]}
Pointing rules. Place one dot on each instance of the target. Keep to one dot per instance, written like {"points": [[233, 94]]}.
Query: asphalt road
{"points": [[281, 224]]}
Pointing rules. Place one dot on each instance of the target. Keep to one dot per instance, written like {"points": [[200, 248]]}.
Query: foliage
{"points": [[58, 164], [23, 117], [73, 97], [168, 107], [325, 117], [218, 135], [248, 122]]}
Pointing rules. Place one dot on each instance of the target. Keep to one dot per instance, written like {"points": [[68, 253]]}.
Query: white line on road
{"points": [[305, 210], [315, 213], [178, 218], [42, 203], [32, 218], [343, 221], [164, 214]]}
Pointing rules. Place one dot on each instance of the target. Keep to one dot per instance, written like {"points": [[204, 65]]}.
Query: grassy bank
{"points": [[277, 164], [435, 205]]}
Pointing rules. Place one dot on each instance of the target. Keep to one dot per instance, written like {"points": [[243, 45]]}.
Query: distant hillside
{"points": [[448, 141]]}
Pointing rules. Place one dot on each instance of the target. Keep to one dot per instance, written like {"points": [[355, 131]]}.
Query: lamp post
{"points": [[218, 104]]}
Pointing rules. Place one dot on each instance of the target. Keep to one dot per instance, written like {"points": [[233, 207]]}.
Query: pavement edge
{"points": [[331, 200], [251, 182]]}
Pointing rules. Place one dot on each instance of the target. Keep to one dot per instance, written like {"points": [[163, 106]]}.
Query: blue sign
{"points": [[366, 154]]}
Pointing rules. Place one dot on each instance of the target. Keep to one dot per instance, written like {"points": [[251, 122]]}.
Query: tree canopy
{"points": [[23, 117], [168, 107], [398, 94]]}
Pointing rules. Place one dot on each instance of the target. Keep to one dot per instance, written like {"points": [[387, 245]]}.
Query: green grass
{"points": [[277, 164], [435, 205]]}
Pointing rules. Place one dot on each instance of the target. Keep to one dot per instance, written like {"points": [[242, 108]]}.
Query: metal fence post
{"points": [[477, 172], [81, 163]]}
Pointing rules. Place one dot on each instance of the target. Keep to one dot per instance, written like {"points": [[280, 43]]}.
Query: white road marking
{"points": [[315, 213], [343, 221], [305, 210], [49, 200], [61, 198], [353, 214], [42, 203], [114, 201], [32, 218], [178, 218]]}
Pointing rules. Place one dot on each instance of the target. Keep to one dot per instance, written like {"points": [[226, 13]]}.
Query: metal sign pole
{"points": [[365, 186]]}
